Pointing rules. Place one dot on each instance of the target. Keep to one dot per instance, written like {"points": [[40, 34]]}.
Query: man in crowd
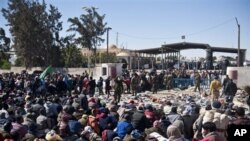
{"points": [[209, 132], [197, 81], [215, 87]]}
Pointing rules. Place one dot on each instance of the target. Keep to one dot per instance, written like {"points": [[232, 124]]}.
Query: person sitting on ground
{"points": [[156, 128], [139, 120], [167, 108], [123, 126], [5, 131], [173, 115], [150, 114], [241, 119], [215, 115], [174, 134], [209, 132], [133, 135], [18, 127], [89, 134]]}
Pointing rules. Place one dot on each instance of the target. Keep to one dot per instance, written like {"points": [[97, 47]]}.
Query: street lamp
{"points": [[238, 60], [109, 28]]}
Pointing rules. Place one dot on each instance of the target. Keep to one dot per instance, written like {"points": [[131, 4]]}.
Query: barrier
{"points": [[182, 82], [185, 82]]}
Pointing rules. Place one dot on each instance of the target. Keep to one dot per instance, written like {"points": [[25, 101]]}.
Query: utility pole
{"points": [[179, 65], [108, 43], [238, 60], [162, 58], [117, 39]]}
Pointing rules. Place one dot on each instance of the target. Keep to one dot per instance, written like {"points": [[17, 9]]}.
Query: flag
{"points": [[183, 37], [45, 72]]}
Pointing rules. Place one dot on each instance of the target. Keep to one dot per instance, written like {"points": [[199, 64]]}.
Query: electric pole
{"points": [[108, 43], [117, 39], [238, 60]]}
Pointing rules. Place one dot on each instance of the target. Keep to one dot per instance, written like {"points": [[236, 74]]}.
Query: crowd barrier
{"points": [[186, 82]]}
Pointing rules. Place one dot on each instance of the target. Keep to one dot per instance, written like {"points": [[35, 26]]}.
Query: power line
{"points": [[176, 36], [211, 28]]}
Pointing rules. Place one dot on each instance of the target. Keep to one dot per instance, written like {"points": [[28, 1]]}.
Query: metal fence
{"points": [[186, 82]]}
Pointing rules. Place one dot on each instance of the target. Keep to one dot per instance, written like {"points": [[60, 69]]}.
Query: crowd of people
{"points": [[68, 108]]}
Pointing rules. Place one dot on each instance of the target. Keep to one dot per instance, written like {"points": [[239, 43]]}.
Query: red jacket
{"points": [[213, 136]]}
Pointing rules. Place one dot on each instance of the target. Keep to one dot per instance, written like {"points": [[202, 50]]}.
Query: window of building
{"points": [[104, 71]]}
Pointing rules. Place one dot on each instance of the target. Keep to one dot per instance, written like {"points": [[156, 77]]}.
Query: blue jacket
{"points": [[122, 127], [74, 126]]}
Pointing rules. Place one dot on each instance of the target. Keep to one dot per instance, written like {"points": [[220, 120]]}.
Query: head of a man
{"points": [[240, 112], [207, 128]]}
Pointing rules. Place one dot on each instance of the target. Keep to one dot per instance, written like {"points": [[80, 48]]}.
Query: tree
{"points": [[35, 32], [4, 45], [90, 26], [4, 48], [73, 56], [4, 41], [55, 42]]}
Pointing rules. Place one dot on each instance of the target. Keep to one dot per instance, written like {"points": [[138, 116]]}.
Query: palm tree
{"points": [[90, 26]]}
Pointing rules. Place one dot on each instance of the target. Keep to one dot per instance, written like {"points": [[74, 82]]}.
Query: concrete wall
{"points": [[62, 70], [96, 72], [242, 73]]}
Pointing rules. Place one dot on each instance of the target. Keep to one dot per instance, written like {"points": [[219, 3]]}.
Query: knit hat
{"points": [[149, 107], [52, 136], [216, 105], [83, 121]]}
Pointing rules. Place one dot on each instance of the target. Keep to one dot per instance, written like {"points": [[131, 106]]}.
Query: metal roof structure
{"points": [[176, 47]]}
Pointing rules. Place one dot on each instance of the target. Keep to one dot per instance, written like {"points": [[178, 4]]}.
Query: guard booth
{"points": [[108, 69]]}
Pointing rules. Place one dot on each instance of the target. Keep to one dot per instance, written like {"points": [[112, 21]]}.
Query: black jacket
{"points": [[139, 121]]}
